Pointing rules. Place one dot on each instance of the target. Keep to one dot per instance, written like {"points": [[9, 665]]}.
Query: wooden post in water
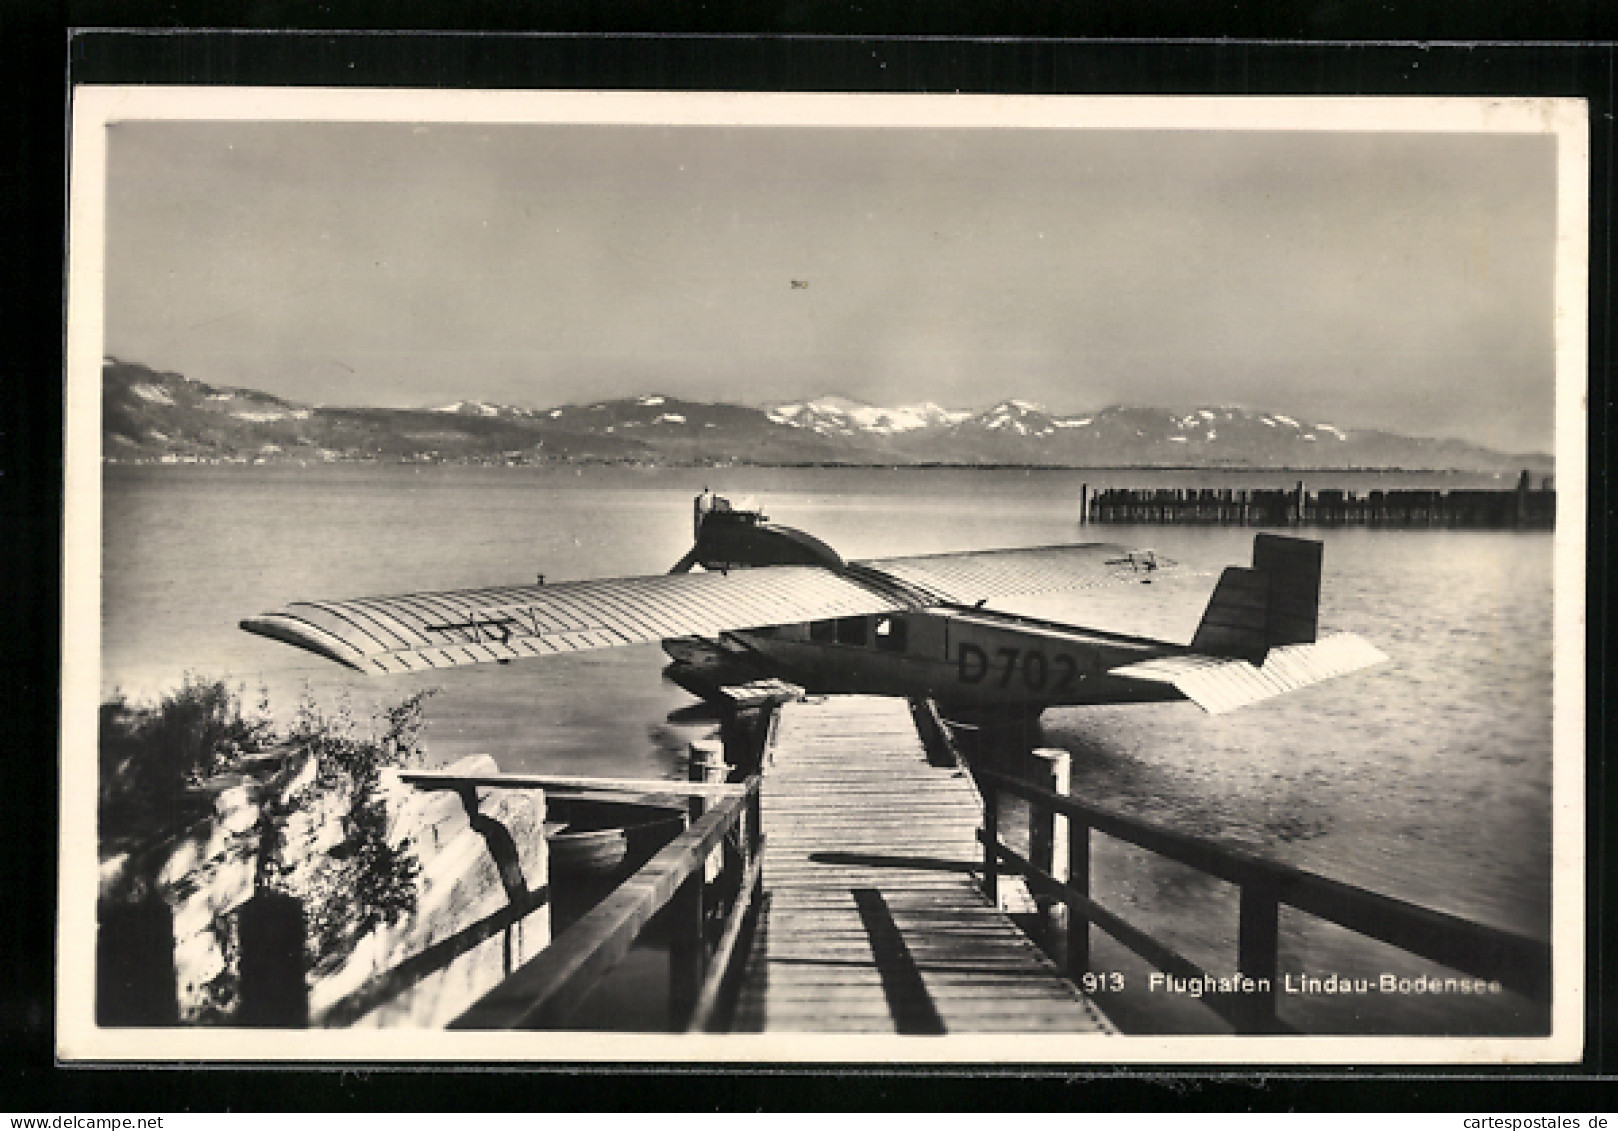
{"points": [[706, 764], [686, 912], [742, 734], [1051, 769], [1084, 503]]}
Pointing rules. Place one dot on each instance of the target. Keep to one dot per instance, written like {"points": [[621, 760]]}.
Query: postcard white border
{"points": [[94, 107]]}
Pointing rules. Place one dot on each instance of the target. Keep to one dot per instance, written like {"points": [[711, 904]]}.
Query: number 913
{"points": [[1108, 983]]}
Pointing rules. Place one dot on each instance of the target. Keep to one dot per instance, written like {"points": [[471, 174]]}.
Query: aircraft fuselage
{"points": [[964, 657]]}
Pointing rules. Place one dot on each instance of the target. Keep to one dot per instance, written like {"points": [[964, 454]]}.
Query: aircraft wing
{"points": [[426, 631], [982, 575], [1218, 684]]}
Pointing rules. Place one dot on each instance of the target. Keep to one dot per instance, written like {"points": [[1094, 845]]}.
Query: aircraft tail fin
{"points": [[1274, 602], [1258, 635]]}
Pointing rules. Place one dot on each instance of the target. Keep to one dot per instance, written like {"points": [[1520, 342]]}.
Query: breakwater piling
{"points": [[1522, 508]]}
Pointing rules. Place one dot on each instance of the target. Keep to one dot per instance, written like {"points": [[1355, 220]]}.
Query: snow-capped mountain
{"points": [[1022, 432], [149, 415], [483, 408], [840, 416]]}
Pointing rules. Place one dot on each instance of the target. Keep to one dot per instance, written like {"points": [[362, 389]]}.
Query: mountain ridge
{"points": [[153, 416]]}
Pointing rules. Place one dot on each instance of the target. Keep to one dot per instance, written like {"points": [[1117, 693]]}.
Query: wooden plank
{"points": [[444, 779], [1019, 981], [923, 947], [920, 941], [875, 921]]}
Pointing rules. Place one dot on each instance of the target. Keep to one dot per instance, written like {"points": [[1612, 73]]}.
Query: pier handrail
{"points": [[567, 783], [1518, 962], [643, 791], [545, 991]]}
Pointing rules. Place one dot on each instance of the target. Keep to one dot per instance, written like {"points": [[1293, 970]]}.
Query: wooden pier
{"points": [[875, 919], [852, 883], [1524, 508]]}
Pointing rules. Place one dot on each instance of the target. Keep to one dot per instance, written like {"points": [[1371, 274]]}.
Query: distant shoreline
{"points": [[152, 417], [1535, 469]]}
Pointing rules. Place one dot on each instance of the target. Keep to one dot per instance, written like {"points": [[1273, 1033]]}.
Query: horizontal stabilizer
{"points": [[1218, 684]]}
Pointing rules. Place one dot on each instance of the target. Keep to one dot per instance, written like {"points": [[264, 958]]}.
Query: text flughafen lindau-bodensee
{"points": [[1311, 984]]}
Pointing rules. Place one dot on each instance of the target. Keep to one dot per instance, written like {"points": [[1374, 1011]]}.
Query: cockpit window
{"points": [[822, 631], [851, 630], [890, 634]]}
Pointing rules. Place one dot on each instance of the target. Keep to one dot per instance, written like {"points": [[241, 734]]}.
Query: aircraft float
{"points": [[774, 603]]}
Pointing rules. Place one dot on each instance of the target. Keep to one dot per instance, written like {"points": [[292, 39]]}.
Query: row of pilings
{"points": [[1522, 508]]}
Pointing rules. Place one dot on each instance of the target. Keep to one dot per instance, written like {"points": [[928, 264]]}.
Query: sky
{"points": [[1391, 280]]}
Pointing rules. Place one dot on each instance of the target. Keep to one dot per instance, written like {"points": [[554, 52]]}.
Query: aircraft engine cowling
{"points": [[728, 542]]}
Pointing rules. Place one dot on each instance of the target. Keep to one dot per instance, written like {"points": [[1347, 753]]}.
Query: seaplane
{"points": [[757, 604]]}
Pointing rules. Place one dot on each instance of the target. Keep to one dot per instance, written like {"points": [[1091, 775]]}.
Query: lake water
{"points": [[1426, 778]]}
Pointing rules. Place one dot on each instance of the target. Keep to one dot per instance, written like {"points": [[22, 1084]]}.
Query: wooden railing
{"points": [[572, 786], [1517, 962], [704, 905]]}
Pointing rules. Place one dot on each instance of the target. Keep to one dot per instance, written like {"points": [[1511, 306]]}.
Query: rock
{"points": [[186, 857], [235, 809], [113, 875], [299, 779]]}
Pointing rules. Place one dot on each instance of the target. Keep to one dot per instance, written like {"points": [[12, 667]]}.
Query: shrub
{"points": [[149, 755], [362, 881]]}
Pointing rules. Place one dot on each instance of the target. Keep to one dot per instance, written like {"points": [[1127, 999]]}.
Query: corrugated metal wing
{"points": [[1218, 685], [983, 575], [422, 631]]}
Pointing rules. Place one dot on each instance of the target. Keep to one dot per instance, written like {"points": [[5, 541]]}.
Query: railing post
{"points": [[135, 977], [991, 843], [686, 913], [1257, 947], [707, 764], [1047, 833], [1078, 877], [754, 832], [274, 989], [687, 951]]}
